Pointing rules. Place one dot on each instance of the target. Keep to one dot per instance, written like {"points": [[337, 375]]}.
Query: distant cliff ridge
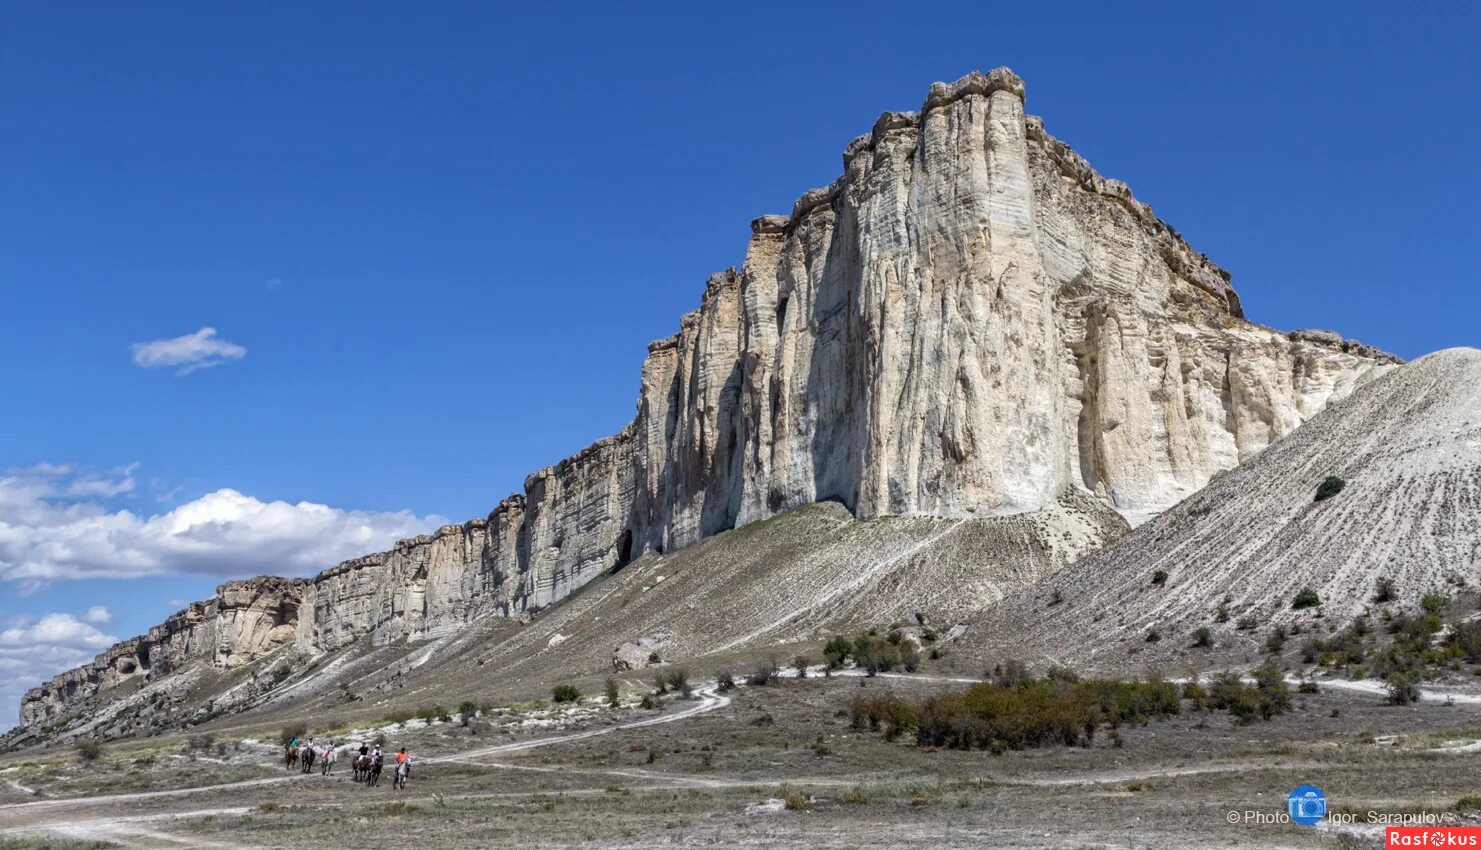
{"points": [[244, 622], [968, 322]]}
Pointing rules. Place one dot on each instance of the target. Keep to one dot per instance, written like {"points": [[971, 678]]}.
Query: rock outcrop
{"points": [[969, 322], [244, 622]]}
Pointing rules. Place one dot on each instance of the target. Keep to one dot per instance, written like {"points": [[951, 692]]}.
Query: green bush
{"points": [[1305, 598], [1159, 578], [793, 800], [1465, 639], [1060, 673], [1268, 697], [564, 693], [800, 664], [1402, 689], [763, 675], [1434, 603], [1009, 673], [876, 655], [89, 750], [725, 681], [889, 714], [1330, 486], [1343, 649], [1384, 590], [1203, 637], [676, 680], [1031, 713], [1469, 803], [837, 652], [291, 731], [614, 694], [909, 657]]}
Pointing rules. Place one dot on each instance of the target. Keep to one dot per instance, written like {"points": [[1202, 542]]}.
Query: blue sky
{"points": [[422, 249]]}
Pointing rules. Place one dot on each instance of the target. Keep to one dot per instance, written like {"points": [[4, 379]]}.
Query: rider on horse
{"points": [[403, 768]]}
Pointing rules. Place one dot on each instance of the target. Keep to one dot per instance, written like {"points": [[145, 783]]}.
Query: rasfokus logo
{"points": [[1306, 805]]}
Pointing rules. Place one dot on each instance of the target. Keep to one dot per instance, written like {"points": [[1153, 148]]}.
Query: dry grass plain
{"points": [[544, 776]]}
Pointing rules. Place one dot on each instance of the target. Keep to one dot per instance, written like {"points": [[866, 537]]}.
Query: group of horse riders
{"points": [[367, 763]]}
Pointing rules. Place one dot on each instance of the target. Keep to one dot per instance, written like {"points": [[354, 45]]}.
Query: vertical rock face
{"points": [[246, 621], [969, 321]]}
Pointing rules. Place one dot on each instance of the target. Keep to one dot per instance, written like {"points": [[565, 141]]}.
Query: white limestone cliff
{"points": [[968, 322], [245, 621]]}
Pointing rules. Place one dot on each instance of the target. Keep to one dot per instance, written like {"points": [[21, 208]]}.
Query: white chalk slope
{"points": [[1408, 445]]}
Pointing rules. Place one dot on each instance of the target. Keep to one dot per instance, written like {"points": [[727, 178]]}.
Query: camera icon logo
{"points": [[1306, 805]]}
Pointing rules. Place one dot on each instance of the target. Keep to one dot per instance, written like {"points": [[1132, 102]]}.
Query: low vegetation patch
{"points": [[1384, 590], [1305, 598], [764, 674], [1330, 486], [8, 842], [1058, 710], [794, 800], [676, 680], [874, 654], [564, 693], [1403, 651]]}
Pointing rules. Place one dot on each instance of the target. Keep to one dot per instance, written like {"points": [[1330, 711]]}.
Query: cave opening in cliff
{"points": [[624, 549]]}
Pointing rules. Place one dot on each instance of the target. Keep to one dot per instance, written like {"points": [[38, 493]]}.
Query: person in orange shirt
{"points": [[403, 768]]}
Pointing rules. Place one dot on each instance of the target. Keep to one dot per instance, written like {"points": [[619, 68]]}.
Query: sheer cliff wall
{"points": [[969, 321]]}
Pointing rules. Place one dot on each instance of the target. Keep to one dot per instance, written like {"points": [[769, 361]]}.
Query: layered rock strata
{"points": [[243, 622], [968, 322]]}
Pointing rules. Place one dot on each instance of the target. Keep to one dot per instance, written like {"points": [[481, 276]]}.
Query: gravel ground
{"points": [[717, 776]]}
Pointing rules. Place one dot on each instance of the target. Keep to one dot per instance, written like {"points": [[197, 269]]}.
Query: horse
{"points": [[361, 766], [290, 757], [306, 758], [403, 773], [326, 761], [374, 778]]}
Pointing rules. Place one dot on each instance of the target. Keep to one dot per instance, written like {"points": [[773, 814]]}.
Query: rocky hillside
{"points": [[811, 571], [1407, 446], [968, 322]]}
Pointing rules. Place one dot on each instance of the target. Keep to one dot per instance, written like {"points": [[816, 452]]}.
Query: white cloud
{"points": [[32, 651], [98, 615], [192, 352], [62, 630], [52, 529]]}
